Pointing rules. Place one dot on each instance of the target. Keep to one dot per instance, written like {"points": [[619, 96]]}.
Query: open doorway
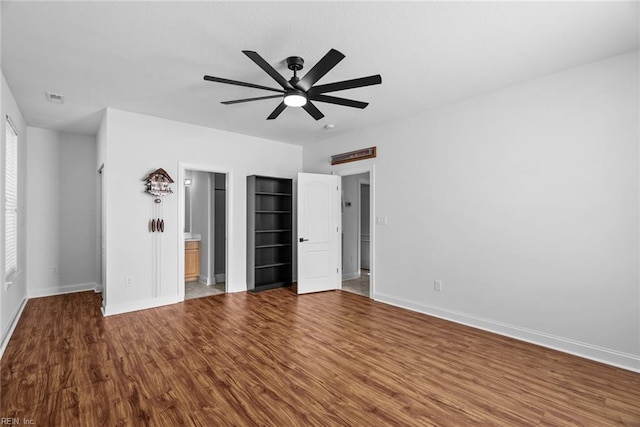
{"points": [[356, 247], [205, 231]]}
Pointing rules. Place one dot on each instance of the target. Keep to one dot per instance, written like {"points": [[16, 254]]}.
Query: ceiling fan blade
{"points": [[323, 66], [268, 69], [312, 110], [237, 83], [238, 101], [346, 84], [339, 101], [279, 109]]}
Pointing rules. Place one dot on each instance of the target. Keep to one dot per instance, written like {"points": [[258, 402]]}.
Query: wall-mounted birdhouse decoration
{"points": [[158, 183]]}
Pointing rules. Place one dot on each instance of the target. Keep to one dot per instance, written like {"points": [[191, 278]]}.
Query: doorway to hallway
{"points": [[356, 233]]}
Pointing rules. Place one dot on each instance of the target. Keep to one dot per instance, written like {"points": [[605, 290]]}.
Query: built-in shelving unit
{"points": [[269, 228]]}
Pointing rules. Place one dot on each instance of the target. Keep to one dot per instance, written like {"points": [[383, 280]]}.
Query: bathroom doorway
{"points": [[205, 233]]}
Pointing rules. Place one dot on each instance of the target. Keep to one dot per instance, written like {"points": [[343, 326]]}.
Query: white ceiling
{"points": [[150, 57]]}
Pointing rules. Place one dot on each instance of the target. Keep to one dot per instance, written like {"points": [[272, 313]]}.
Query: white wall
{"points": [[78, 216], [524, 202], [187, 202], [138, 144], [12, 299], [201, 218], [43, 209], [101, 143], [61, 212]]}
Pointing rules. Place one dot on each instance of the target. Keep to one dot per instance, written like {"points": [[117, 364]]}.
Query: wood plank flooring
{"points": [[277, 359]]}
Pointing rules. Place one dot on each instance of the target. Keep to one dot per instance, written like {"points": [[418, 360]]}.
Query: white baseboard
{"points": [[350, 276], [12, 326], [205, 281], [61, 290], [588, 351], [112, 309], [216, 279]]}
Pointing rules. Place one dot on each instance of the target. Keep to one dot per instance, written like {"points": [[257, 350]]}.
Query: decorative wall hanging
{"points": [[353, 156], [158, 184]]}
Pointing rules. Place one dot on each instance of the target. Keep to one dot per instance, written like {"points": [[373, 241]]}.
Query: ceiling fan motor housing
{"points": [[295, 63]]}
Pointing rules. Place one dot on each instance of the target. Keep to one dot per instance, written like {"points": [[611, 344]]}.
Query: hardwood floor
{"points": [[275, 358]]}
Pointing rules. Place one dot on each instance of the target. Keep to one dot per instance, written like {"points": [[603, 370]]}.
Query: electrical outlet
{"points": [[54, 270], [128, 281], [437, 285]]}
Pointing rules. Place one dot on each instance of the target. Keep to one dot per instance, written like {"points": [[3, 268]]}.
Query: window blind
{"points": [[11, 200]]}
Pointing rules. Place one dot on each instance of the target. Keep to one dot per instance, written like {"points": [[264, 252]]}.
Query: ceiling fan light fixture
{"points": [[295, 98], [299, 92]]}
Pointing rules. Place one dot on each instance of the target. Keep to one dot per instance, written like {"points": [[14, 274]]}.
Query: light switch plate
{"points": [[381, 220]]}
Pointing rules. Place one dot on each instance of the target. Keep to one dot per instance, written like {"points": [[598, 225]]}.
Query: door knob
{"points": [[302, 239]]}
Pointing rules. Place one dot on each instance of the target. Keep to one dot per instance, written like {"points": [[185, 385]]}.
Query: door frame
{"points": [[101, 235], [182, 167], [342, 171]]}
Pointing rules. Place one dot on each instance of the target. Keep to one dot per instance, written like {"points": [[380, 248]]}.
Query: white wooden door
{"points": [[318, 232]]}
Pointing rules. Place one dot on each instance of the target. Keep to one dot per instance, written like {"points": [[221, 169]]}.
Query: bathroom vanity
{"points": [[191, 259]]}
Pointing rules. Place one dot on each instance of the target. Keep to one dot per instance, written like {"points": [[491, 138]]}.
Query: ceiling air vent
{"points": [[55, 98]]}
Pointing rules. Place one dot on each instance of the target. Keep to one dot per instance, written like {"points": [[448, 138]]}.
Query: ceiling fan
{"points": [[298, 92]]}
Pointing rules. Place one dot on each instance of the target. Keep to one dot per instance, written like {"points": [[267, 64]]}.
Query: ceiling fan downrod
{"points": [[295, 64]]}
